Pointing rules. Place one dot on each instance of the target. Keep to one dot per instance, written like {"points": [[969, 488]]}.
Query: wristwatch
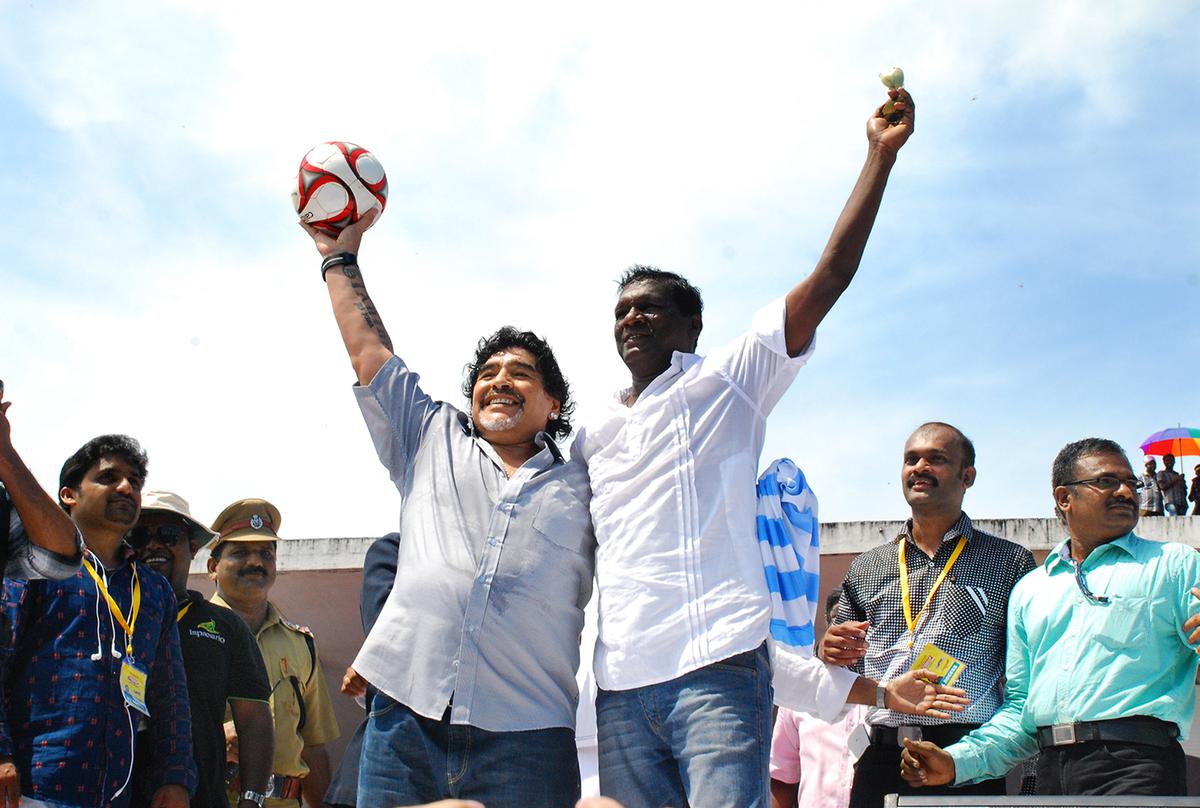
{"points": [[881, 696], [256, 797]]}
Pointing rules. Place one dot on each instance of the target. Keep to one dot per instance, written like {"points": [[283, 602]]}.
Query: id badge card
{"points": [[945, 666], [858, 741], [133, 685]]}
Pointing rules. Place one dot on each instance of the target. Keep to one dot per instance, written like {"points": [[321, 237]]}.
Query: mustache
{"points": [[253, 571], [513, 395], [912, 479]]}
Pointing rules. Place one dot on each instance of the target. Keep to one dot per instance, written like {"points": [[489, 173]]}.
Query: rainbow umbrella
{"points": [[1180, 441]]}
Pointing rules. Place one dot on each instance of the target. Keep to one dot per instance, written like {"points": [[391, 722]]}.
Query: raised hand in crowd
{"points": [[844, 643], [46, 524], [885, 133], [923, 763]]}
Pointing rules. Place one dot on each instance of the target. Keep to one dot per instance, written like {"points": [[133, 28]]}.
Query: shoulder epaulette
{"points": [[296, 626]]}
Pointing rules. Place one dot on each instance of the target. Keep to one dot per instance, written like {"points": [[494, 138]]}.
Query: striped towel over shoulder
{"points": [[788, 537]]}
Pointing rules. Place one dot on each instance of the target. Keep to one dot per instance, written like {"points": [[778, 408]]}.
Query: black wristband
{"points": [[347, 258]]}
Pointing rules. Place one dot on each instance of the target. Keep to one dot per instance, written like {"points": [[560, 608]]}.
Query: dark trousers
{"points": [[878, 774], [1113, 767]]}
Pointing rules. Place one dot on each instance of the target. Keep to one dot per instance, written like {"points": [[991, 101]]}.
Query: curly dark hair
{"points": [[1063, 469], [122, 447], [685, 296], [552, 376]]}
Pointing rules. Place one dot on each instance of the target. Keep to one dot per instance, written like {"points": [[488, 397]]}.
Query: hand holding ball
{"points": [[337, 184]]}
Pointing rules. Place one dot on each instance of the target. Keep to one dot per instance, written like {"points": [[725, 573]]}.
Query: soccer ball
{"points": [[338, 182]]}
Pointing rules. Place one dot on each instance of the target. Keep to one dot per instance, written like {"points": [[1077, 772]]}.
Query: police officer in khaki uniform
{"points": [[243, 566]]}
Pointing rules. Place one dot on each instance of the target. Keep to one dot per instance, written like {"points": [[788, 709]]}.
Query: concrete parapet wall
{"points": [[1036, 534], [837, 538]]}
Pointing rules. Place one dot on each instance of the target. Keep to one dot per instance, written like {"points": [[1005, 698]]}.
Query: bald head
{"points": [[966, 448]]}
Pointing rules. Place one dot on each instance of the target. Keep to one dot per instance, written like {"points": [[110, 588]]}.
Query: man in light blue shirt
{"points": [[474, 653], [1101, 675]]}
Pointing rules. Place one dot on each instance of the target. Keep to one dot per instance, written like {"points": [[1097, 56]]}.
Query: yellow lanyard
{"points": [[908, 615], [183, 611], [127, 625]]}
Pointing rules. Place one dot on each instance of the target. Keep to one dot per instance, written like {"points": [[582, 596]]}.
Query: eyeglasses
{"points": [[1110, 483], [166, 535]]}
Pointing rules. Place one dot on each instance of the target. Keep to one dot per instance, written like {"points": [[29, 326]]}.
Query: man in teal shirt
{"points": [[1101, 675]]}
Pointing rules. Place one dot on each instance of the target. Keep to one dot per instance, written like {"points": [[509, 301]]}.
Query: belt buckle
{"points": [[908, 734], [1062, 734]]}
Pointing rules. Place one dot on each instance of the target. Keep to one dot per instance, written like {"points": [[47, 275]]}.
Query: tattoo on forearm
{"points": [[355, 277], [365, 306], [374, 322]]}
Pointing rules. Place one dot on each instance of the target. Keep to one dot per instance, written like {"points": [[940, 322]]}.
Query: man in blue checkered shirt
{"points": [[37, 538], [93, 656]]}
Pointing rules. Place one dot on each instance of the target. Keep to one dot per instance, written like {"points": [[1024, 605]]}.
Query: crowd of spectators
{"points": [[1166, 492]]}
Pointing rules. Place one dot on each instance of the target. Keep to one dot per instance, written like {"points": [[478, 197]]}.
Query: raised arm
{"points": [[813, 297], [366, 339], [47, 525]]}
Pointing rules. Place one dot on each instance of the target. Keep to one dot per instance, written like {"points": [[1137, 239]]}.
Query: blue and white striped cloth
{"points": [[788, 537]]}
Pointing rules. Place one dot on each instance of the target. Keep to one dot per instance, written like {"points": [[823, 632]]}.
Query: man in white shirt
{"points": [[684, 703]]}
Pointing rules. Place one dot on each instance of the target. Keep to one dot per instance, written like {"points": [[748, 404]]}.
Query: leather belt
{"points": [[1138, 729], [941, 734], [284, 787], [280, 787]]}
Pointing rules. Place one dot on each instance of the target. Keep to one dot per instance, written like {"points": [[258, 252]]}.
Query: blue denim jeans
{"points": [[408, 759], [701, 740]]}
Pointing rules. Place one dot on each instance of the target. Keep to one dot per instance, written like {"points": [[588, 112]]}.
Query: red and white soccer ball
{"points": [[337, 184]]}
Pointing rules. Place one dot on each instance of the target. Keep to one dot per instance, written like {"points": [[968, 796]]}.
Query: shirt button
{"points": [[492, 542]]}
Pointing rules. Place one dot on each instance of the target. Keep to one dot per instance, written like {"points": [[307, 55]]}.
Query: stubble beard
{"points": [[494, 422]]}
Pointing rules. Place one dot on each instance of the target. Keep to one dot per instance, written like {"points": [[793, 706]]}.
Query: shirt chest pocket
{"points": [[562, 518], [287, 703], [964, 608], [1123, 622]]}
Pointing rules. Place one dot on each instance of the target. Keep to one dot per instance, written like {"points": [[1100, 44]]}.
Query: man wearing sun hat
{"points": [[220, 657], [243, 566]]}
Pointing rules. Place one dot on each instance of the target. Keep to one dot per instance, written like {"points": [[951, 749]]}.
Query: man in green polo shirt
{"points": [[1101, 675]]}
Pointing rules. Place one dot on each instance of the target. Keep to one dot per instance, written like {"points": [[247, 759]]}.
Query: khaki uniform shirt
{"points": [[298, 690]]}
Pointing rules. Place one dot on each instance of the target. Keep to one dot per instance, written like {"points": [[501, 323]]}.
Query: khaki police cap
{"points": [[248, 520]]}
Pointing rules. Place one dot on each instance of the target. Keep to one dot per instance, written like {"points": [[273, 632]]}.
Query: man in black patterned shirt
{"points": [[952, 601]]}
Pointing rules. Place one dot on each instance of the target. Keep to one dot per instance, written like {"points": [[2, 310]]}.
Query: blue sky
{"points": [[1033, 275]]}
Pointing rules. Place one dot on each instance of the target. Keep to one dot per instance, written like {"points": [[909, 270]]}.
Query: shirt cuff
{"points": [[807, 684], [966, 765]]}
